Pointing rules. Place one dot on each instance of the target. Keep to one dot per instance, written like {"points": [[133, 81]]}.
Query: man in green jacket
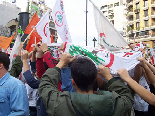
{"points": [[115, 102]]}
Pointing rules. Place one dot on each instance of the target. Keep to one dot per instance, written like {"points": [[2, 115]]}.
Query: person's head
{"points": [[4, 60], [83, 72]]}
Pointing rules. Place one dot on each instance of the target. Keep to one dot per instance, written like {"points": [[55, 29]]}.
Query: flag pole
{"points": [[86, 21], [29, 35]]}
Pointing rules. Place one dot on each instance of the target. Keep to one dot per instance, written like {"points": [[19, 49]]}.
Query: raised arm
{"points": [[17, 65], [140, 90], [48, 86], [147, 66], [31, 81], [121, 92]]}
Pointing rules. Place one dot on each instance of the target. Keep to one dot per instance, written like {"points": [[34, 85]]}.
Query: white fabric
{"points": [[15, 50], [42, 28], [59, 18], [110, 37], [32, 95], [106, 58], [139, 103]]}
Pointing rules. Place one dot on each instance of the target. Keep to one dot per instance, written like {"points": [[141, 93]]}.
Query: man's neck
{"points": [[2, 73], [84, 92]]}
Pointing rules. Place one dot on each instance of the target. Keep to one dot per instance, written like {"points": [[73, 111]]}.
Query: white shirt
{"points": [[139, 103]]}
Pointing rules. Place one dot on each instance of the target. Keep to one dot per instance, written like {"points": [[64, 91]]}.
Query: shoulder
{"points": [[14, 81]]}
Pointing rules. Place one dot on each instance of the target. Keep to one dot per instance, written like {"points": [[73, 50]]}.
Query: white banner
{"points": [[59, 18], [112, 60], [42, 28], [109, 36]]}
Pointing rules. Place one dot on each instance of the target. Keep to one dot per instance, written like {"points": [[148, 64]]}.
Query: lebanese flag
{"points": [[35, 19], [43, 28]]}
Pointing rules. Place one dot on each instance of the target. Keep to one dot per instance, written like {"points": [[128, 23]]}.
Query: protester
{"points": [[83, 73], [140, 90], [13, 97]]}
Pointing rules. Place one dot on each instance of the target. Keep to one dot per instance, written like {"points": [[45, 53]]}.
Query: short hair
{"points": [[5, 60], [84, 73]]}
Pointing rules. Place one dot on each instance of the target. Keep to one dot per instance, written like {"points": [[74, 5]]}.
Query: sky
{"points": [[76, 19]]}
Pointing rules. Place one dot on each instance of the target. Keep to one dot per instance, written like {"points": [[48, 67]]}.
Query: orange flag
{"points": [[52, 38], [6, 41], [35, 19], [31, 43]]}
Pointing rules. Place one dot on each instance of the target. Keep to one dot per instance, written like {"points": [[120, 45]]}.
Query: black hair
{"points": [[84, 73], [5, 60]]}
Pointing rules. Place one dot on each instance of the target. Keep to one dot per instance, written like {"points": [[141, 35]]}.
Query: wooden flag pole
{"points": [[29, 35]]}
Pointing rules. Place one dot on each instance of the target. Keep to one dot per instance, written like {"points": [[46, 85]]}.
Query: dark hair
{"points": [[84, 73], [5, 60]]}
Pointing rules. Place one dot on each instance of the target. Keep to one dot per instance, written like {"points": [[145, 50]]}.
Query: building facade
{"points": [[141, 21], [114, 10], [8, 12], [41, 9]]}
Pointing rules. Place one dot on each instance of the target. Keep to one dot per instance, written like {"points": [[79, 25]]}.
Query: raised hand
{"points": [[105, 72], [24, 55]]}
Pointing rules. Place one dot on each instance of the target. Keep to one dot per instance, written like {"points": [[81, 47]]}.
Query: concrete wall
{"points": [[8, 12]]}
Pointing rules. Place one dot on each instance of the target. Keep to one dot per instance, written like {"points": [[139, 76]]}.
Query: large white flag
{"points": [[15, 50], [59, 18], [42, 28], [109, 36]]}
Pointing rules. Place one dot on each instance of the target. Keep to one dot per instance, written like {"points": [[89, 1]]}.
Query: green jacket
{"points": [[16, 67], [102, 103]]}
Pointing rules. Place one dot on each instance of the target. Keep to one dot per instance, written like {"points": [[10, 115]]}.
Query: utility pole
{"points": [[94, 41], [86, 21]]}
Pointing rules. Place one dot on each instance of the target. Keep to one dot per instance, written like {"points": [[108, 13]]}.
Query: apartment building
{"points": [[141, 21], [41, 8], [115, 11]]}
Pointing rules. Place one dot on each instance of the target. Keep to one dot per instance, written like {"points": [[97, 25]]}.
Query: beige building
{"points": [[41, 9], [141, 21]]}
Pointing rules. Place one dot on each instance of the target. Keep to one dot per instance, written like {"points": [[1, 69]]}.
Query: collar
{"points": [[4, 78]]}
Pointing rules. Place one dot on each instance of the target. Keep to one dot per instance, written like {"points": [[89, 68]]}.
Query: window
{"points": [[146, 13], [146, 23], [116, 4], [137, 25], [137, 6], [137, 16], [145, 3]]}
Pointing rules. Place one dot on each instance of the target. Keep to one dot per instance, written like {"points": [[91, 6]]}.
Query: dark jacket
{"points": [[34, 83], [16, 67], [104, 103]]}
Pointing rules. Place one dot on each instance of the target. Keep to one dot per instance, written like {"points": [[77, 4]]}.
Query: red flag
{"points": [[35, 19], [52, 38]]}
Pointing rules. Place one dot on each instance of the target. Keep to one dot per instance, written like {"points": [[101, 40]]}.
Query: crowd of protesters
{"points": [[39, 85]]}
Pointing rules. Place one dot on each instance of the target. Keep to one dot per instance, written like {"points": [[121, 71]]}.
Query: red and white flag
{"points": [[59, 18], [109, 36], [43, 28]]}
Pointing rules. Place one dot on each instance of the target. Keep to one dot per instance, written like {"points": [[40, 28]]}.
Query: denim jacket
{"points": [[13, 97]]}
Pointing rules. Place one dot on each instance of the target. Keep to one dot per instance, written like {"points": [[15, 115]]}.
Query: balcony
{"points": [[130, 4], [130, 22], [153, 15], [136, 1], [153, 4], [153, 25], [145, 8], [137, 10], [128, 1], [129, 14], [146, 18], [137, 20]]}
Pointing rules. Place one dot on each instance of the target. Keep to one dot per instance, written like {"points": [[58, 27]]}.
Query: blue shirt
{"points": [[13, 97], [66, 80]]}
